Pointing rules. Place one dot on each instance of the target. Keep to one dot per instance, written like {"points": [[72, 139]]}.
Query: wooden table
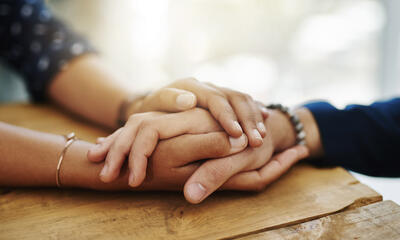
{"points": [[306, 203]]}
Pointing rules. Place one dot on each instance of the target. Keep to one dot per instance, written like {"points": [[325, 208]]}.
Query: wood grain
{"points": [[304, 193], [373, 222]]}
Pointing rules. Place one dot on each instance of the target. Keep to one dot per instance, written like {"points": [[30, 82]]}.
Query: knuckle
{"points": [[200, 111], [240, 96], [205, 116], [158, 95], [119, 147], [220, 145], [215, 173], [224, 112], [259, 186], [185, 81], [135, 118], [248, 97], [275, 164], [148, 130], [217, 95], [145, 124]]}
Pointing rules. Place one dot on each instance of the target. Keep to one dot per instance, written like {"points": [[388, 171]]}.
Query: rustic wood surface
{"points": [[303, 194], [378, 221]]}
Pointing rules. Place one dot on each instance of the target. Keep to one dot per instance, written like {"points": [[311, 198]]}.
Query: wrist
{"points": [[74, 171], [281, 129], [283, 133], [79, 172], [130, 105]]}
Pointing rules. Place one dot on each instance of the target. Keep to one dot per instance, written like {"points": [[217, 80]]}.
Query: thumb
{"points": [[169, 100]]}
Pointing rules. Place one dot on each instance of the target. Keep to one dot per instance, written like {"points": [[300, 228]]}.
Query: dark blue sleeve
{"points": [[36, 44], [365, 139]]}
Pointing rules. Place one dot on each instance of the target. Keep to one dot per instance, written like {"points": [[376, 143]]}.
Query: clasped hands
{"points": [[200, 138]]}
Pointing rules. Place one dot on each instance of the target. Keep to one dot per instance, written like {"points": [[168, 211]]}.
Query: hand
{"points": [[229, 107], [174, 160], [139, 137], [251, 169]]}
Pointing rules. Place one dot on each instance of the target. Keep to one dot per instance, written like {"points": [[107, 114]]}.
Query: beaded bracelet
{"points": [[294, 119]]}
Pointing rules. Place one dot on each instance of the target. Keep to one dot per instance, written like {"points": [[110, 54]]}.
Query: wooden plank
{"points": [[376, 221], [302, 194]]}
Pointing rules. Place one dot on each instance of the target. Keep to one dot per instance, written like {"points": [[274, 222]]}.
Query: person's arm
{"points": [[364, 139], [29, 159], [58, 63], [89, 87]]}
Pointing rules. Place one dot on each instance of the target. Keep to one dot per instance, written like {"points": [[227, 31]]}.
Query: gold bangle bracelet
{"points": [[70, 138]]}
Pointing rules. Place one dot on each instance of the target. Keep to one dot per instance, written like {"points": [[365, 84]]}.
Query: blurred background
{"points": [[282, 51]]}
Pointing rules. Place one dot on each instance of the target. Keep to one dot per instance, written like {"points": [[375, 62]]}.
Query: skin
{"points": [[254, 173], [173, 162], [236, 114], [139, 137], [90, 79]]}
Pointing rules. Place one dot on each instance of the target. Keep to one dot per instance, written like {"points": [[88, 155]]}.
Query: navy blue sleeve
{"points": [[36, 44], [364, 139]]}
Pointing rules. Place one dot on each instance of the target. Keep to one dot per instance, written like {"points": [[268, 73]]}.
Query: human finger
{"points": [[257, 180], [249, 116], [215, 101], [189, 148], [212, 174], [168, 100], [121, 146], [167, 126], [99, 151]]}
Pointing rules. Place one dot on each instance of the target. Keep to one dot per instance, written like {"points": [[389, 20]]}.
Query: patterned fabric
{"points": [[36, 44]]}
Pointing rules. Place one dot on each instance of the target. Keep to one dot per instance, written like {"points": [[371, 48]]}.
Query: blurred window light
{"points": [[276, 50]]}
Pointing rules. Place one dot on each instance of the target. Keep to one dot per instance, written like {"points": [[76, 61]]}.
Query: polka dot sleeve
{"points": [[36, 44]]}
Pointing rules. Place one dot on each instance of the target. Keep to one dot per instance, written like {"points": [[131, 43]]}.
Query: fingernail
{"points": [[256, 134], [237, 126], [196, 192], [100, 140], [238, 143], [185, 100], [104, 170], [131, 179], [261, 127]]}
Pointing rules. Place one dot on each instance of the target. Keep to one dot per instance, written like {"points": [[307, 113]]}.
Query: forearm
{"points": [[88, 87], [29, 159]]}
